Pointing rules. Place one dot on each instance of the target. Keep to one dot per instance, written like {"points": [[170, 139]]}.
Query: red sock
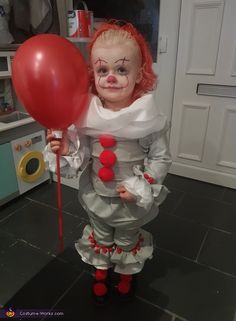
{"points": [[100, 275], [125, 283]]}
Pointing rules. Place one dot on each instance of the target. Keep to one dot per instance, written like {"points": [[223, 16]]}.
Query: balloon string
{"points": [[60, 220]]}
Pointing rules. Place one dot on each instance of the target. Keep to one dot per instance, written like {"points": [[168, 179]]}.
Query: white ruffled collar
{"points": [[138, 120]]}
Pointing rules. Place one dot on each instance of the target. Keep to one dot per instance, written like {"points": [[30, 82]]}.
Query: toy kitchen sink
{"points": [[12, 117]]}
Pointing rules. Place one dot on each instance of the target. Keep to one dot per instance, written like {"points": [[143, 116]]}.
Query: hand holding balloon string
{"points": [[58, 145]]}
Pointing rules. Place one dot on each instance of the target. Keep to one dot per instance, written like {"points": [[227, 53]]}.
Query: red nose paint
{"points": [[111, 78]]}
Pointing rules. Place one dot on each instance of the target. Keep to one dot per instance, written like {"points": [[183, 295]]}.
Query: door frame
{"points": [[169, 21]]}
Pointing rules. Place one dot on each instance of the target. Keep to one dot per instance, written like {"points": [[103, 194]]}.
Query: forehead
{"points": [[112, 53]]}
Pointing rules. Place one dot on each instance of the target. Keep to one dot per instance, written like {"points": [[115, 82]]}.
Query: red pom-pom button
{"points": [[107, 141], [107, 158], [106, 174]]}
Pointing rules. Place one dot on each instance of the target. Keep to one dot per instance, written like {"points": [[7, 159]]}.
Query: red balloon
{"points": [[50, 77]]}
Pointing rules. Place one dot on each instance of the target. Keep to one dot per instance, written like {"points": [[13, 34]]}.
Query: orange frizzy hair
{"points": [[149, 79]]}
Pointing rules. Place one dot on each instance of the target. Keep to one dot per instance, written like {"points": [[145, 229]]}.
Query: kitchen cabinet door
{"points": [[8, 180]]}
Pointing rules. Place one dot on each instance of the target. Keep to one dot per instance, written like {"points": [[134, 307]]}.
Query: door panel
{"points": [[205, 21], [227, 156], [193, 129]]}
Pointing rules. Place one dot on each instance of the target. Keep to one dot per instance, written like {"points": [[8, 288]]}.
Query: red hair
{"points": [[149, 79]]}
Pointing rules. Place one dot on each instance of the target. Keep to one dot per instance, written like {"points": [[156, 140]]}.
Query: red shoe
{"points": [[101, 287]]}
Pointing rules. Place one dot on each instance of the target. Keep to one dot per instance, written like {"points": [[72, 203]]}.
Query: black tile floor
{"points": [[192, 275]]}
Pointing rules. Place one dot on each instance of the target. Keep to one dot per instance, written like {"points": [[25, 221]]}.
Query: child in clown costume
{"points": [[120, 149]]}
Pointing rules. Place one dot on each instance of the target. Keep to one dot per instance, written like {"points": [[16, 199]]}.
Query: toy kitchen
{"points": [[22, 140]]}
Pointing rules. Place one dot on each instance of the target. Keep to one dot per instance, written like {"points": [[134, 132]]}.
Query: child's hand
{"points": [[125, 195], [61, 145]]}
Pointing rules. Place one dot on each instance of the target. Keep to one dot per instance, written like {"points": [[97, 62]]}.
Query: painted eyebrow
{"points": [[100, 60], [122, 59]]}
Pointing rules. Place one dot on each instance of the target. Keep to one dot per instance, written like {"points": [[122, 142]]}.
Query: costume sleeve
{"points": [[158, 159], [75, 160], [146, 184]]}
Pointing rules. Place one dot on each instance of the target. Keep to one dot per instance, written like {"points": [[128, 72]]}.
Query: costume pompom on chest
{"points": [[107, 158], [107, 141]]}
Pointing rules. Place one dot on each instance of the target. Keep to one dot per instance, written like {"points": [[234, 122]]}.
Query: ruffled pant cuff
{"points": [[91, 252], [104, 257], [131, 262]]}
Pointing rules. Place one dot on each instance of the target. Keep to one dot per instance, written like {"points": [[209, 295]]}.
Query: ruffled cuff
{"points": [[140, 188], [145, 189], [69, 163]]}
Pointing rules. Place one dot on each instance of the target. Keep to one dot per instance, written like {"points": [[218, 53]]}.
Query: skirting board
{"points": [[204, 175]]}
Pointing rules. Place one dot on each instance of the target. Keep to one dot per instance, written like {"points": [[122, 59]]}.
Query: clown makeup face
{"points": [[117, 68]]}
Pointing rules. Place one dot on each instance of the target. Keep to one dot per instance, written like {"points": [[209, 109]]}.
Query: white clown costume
{"points": [[128, 147]]}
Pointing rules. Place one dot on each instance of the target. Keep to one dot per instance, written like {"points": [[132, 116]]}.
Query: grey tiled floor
{"points": [[192, 275]]}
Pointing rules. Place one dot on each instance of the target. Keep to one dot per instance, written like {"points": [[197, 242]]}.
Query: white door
{"points": [[203, 133]]}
